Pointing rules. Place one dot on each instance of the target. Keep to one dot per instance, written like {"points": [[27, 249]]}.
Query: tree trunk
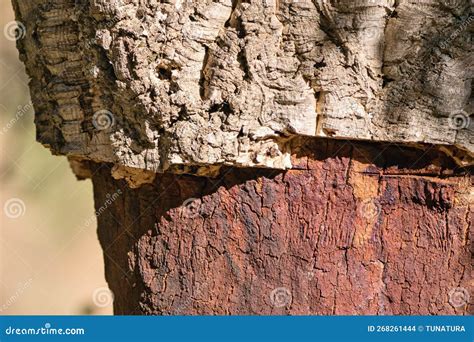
{"points": [[273, 156], [337, 234]]}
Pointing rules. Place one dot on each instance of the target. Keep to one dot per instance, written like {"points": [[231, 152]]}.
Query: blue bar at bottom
{"points": [[237, 328]]}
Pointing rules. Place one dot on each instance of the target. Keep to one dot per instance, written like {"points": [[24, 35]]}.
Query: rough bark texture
{"points": [[351, 229], [130, 89], [189, 86]]}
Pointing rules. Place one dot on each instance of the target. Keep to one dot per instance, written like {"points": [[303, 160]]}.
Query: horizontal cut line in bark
{"points": [[441, 164]]}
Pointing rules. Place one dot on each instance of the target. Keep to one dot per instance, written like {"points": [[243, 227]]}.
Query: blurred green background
{"points": [[49, 263]]}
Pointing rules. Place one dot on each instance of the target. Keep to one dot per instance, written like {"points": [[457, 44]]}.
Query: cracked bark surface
{"points": [[253, 100], [190, 86], [349, 230]]}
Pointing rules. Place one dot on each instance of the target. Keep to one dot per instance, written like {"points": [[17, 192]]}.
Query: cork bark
{"points": [[266, 156], [191, 86], [353, 228]]}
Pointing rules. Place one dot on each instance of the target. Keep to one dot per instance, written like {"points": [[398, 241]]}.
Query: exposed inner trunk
{"points": [[353, 228]]}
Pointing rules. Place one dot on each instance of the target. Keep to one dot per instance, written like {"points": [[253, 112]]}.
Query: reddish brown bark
{"points": [[354, 228]]}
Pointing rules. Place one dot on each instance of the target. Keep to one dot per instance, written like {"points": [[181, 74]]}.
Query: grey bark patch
{"points": [[189, 86]]}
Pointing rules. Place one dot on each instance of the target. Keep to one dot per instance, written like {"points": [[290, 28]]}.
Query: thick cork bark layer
{"points": [[189, 86]]}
